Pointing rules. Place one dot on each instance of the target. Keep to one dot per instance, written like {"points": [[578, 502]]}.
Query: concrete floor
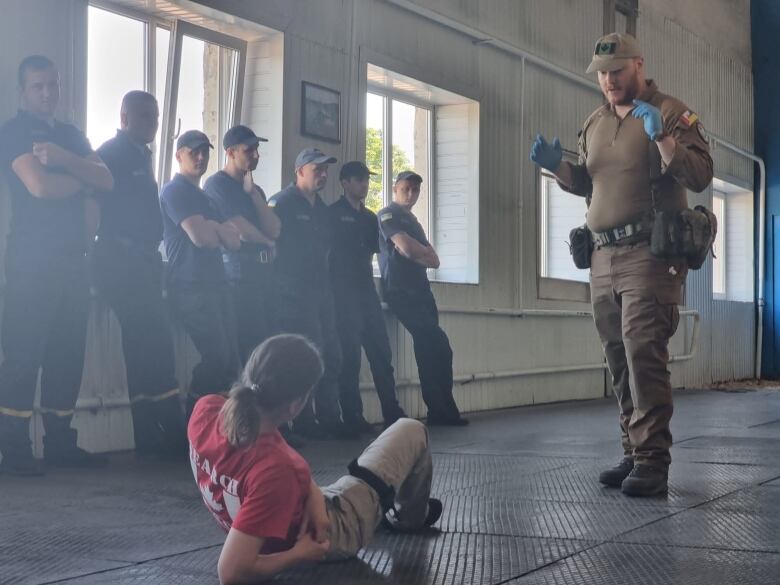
{"points": [[522, 506]]}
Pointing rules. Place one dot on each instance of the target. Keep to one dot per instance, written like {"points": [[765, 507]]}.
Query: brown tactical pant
{"points": [[635, 297], [401, 457]]}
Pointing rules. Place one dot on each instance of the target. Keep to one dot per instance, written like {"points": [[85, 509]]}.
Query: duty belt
{"points": [[615, 235]]}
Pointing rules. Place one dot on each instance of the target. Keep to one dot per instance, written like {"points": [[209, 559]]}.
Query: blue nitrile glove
{"points": [[651, 117], [548, 156]]}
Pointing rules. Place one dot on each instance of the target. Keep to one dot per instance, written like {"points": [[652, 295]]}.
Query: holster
{"points": [[581, 246]]}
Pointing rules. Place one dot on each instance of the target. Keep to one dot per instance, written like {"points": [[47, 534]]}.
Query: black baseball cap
{"points": [[241, 135], [313, 155], [193, 139], [354, 168], [408, 176]]}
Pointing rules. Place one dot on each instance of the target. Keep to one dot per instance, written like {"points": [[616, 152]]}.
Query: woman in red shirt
{"points": [[260, 490]]}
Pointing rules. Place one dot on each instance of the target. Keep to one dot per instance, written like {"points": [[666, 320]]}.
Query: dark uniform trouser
{"points": [[312, 315], [417, 312], [207, 314], [131, 284], [635, 297], [45, 312], [255, 311], [360, 323]]}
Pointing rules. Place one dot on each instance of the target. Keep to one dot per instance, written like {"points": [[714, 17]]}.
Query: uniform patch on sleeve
{"points": [[688, 119], [385, 216]]}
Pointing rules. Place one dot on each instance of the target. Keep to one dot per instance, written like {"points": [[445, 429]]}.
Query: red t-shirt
{"points": [[260, 489]]}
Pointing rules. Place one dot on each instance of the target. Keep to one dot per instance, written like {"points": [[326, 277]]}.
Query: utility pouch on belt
{"points": [[581, 246], [689, 233]]}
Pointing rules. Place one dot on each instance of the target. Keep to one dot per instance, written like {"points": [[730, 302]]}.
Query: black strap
{"points": [[385, 492]]}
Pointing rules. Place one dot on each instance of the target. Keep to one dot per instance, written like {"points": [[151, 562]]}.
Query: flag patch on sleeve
{"points": [[688, 119], [385, 216]]}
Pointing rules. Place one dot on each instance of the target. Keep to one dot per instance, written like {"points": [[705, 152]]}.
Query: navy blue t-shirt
{"points": [[180, 199], [252, 261], [42, 227], [303, 246], [398, 272], [132, 210], [355, 241]]}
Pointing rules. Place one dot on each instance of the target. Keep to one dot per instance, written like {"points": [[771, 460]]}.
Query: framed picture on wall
{"points": [[320, 112]]}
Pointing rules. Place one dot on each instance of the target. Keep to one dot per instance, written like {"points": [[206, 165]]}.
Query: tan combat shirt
{"points": [[618, 163]]}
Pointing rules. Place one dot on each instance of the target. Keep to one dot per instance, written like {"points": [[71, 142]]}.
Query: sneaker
{"points": [[645, 480], [453, 420], [21, 464], [614, 476], [72, 456]]}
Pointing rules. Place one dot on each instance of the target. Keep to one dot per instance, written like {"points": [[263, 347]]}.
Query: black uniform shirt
{"points": [[130, 213], [180, 199], [304, 243], [398, 272], [229, 199], [42, 227], [355, 241]]}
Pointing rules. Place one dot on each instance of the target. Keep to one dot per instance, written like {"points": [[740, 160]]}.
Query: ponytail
{"points": [[282, 369], [239, 416]]}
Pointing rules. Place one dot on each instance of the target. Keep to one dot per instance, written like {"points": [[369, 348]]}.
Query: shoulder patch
{"points": [[387, 215], [688, 119]]}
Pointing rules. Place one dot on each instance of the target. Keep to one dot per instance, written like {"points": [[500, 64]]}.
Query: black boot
{"points": [[16, 449], [645, 480], [60, 448], [614, 476]]}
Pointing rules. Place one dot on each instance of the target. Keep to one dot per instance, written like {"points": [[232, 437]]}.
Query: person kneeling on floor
{"points": [[260, 490]]}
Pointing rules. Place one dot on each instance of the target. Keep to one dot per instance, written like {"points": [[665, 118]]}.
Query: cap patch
{"points": [[606, 49]]}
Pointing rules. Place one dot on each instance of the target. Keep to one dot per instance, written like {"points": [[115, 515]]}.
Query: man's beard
{"points": [[631, 92]]}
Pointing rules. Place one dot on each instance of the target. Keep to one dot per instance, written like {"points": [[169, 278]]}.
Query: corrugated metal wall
{"points": [[330, 41]]}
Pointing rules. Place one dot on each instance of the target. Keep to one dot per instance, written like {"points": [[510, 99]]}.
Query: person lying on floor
{"points": [[260, 490]]}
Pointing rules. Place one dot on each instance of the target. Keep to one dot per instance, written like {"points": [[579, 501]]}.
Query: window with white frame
{"points": [[732, 267], [411, 125], [560, 213], [197, 74]]}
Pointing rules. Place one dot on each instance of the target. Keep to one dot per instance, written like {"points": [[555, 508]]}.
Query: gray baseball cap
{"points": [[614, 51], [313, 155], [407, 176]]}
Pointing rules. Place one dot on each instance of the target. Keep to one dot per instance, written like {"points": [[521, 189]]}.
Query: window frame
{"points": [[151, 24], [628, 8], [180, 29], [387, 147], [177, 29], [723, 293], [551, 288]]}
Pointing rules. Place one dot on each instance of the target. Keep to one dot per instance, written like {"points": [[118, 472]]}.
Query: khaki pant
{"points": [[635, 297], [401, 457]]}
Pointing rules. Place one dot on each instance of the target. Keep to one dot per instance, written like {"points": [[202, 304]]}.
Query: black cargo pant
{"points": [[254, 299], [130, 281], [44, 327], [311, 314], [360, 323], [417, 311], [207, 314]]}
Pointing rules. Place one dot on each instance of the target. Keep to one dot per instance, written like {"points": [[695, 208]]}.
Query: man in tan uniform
{"points": [[638, 153]]}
